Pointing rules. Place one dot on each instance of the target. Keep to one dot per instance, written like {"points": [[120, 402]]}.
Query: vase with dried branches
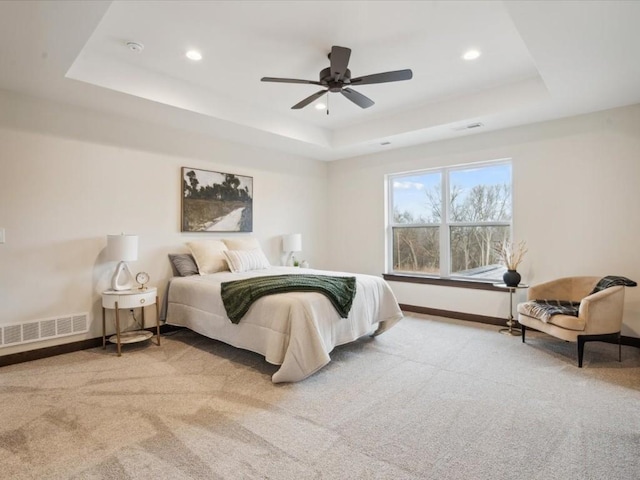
{"points": [[511, 255]]}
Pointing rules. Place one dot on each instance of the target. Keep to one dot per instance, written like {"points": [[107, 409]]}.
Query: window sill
{"points": [[443, 282]]}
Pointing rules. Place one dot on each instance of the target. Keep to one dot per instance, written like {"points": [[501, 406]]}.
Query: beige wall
{"points": [[576, 185], [69, 177]]}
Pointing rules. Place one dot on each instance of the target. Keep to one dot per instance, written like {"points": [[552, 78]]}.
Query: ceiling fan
{"points": [[337, 78]]}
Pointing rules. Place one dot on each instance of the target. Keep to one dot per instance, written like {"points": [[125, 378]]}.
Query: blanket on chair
{"points": [[239, 295], [545, 309], [612, 281]]}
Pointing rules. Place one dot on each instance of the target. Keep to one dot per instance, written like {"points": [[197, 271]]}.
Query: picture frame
{"points": [[215, 201]]}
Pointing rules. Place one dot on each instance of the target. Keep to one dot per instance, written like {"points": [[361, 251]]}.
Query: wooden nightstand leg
{"points": [[118, 330], [158, 321], [142, 319], [104, 332]]}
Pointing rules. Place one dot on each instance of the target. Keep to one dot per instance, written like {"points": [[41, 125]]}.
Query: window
{"points": [[446, 222]]}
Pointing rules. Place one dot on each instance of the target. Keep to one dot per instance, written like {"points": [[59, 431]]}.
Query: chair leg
{"points": [[619, 347], [608, 337], [581, 340], [523, 329]]}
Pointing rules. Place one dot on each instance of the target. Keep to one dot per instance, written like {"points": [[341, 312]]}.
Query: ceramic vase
{"points": [[511, 278]]}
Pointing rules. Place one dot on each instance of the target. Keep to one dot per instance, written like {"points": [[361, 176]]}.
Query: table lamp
{"points": [[291, 243], [122, 248]]}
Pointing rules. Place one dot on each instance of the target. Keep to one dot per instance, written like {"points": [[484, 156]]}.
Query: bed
{"points": [[295, 330]]}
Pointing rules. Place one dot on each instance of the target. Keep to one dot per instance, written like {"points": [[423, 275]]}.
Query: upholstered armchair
{"points": [[599, 315]]}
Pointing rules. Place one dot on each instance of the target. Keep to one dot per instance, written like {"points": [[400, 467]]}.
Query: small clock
{"points": [[142, 278]]}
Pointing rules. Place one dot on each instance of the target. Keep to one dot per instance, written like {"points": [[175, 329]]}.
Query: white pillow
{"points": [[246, 243], [246, 260], [209, 256]]}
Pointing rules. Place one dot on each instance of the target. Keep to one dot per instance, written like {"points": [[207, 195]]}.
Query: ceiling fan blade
{"points": [[339, 61], [357, 98], [289, 80], [308, 100], [385, 77]]}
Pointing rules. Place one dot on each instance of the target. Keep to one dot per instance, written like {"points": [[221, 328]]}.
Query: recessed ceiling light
{"points": [[471, 54], [194, 55], [320, 106]]}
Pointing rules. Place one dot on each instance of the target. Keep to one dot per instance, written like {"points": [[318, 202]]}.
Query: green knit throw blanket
{"points": [[239, 295]]}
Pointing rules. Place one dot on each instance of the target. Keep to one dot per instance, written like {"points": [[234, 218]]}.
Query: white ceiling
{"points": [[540, 60]]}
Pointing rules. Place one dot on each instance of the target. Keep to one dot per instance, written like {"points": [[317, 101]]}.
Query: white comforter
{"points": [[295, 330]]}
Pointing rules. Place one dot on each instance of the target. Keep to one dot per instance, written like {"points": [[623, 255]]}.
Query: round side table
{"points": [[124, 300], [511, 329]]}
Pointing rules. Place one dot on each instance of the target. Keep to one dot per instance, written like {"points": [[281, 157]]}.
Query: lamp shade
{"points": [[122, 247], [292, 242]]}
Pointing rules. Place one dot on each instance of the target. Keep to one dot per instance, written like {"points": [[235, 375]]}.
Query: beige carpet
{"points": [[429, 399]]}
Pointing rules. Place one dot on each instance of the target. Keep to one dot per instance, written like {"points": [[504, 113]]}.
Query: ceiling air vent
{"points": [[469, 126]]}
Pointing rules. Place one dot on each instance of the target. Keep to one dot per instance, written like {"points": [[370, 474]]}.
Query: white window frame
{"points": [[445, 223]]}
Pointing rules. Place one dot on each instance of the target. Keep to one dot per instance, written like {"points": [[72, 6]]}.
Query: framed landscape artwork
{"points": [[216, 202]]}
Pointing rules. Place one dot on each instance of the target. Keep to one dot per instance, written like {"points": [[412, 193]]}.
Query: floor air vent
{"points": [[43, 329]]}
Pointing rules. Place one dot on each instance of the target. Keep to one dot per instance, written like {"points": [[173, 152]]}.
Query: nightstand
{"points": [[127, 300]]}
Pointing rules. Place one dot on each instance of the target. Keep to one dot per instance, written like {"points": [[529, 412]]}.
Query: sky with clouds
{"points": [[410, 191]]}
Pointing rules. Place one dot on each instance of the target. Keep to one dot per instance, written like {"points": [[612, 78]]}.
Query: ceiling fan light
{"points": [[320, 106], [471, 54], [194, 55]]}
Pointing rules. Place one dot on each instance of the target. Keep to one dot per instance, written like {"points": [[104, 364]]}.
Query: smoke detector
{"points": [[135, 47]]}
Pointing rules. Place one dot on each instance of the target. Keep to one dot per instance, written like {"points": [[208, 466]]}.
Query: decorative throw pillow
{"points": [[246, 260], [246, 243], [209, 256], [184, 264]]}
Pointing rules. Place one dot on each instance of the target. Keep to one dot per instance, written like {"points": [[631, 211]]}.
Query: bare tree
{"points": [[417, 247]]}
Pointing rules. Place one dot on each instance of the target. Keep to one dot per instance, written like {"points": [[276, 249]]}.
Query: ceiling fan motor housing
{"points": [[327, 78]]}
